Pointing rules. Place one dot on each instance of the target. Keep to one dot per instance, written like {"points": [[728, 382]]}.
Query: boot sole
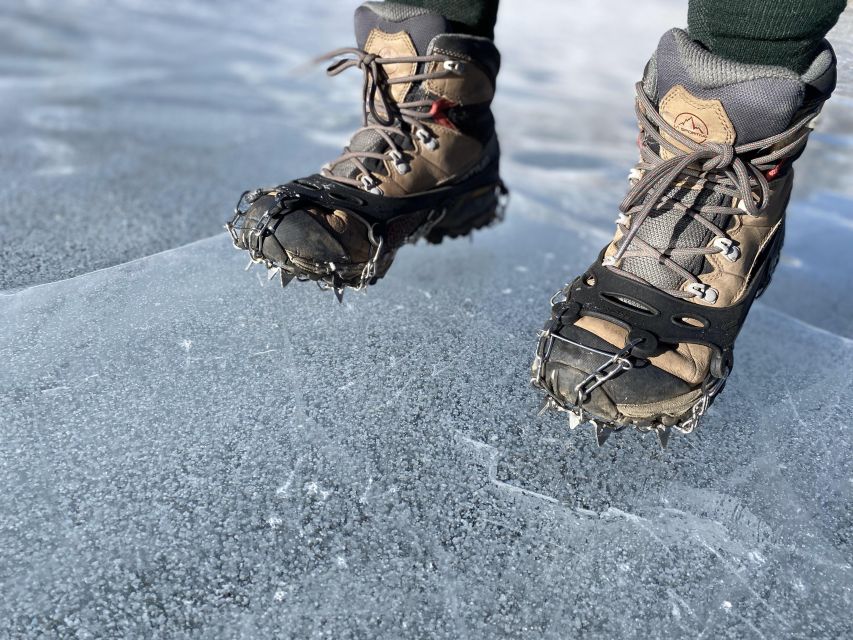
{"points": [[481, 208]]}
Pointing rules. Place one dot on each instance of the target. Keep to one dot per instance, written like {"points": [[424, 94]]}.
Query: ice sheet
{"points": [[129, 126], [190, 451]]}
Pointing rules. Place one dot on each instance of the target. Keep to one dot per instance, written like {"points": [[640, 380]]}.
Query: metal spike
{"points": [[272, 273], [285, 278], [574, 420], [339, 294], [250, 265], [601, 433], [544, 407], [663, 435]]}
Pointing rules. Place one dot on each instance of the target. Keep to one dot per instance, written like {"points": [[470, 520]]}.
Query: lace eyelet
{"points": [[371, 186], [728, 249], [400, 165], [742, 206], [703, 291], [454, 66], [426, 139]]}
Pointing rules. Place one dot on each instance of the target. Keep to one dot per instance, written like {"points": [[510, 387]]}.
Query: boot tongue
{"points": [[400, 28], [391, 30], [711, 99]]}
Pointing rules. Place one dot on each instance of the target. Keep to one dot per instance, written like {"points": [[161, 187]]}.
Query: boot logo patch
{"points": [[699, 119], [387, 52], [692, 126]]}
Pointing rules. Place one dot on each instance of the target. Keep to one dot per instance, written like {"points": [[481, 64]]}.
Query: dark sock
{"points": [[786, 33], [476, 17]]}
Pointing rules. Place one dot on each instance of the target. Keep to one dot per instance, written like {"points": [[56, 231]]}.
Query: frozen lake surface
{"points": [[190, 451]]}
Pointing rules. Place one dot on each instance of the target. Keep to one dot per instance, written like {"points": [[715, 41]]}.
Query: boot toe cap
{"points": [[293, 233], [644, 384]]}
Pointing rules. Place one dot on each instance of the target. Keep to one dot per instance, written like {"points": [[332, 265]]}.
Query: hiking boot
{"points": [[424, 164], [645, 337]]}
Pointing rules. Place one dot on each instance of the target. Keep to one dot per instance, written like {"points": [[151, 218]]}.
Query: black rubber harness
{"points": [[654, 319]]}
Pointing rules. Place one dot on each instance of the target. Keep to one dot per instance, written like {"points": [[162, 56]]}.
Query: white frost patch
{"points": [[363, 499], [52, 389], [726, 605], [756, 557], [279, 596], [58, 155], [314, 489], [186, 345], [618, 513], [274, 522], [58, 170]]}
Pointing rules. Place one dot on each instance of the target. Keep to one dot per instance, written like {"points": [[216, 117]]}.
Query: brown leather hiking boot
{"points": [[645, 337], [424, 165]]}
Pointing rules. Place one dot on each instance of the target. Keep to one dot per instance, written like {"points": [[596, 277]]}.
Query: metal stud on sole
{"points": [[601, 433], [663, 434]]}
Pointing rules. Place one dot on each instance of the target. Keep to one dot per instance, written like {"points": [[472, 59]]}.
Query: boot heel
{"points": [[476, 210]]}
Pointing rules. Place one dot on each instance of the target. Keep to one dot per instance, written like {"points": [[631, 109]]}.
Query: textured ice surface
{"points": [[188, 448], [189, 451], [129, 125]]}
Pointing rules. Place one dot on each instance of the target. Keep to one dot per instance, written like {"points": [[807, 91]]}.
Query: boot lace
{"points": [[736, 172], [396, 123]]}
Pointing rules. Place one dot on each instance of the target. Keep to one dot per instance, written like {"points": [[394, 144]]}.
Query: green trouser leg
{"points": [[785, 33], [778, 32], [476, 17]]}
